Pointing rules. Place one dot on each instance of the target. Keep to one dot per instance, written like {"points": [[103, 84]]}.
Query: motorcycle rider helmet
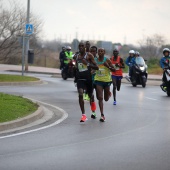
{"points": [[131, 52], [166, 50], [63, 48], [137, 53], [68, 48]]}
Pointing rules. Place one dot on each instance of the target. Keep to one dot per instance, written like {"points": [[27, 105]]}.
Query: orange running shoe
{"points": [[83, 118]]}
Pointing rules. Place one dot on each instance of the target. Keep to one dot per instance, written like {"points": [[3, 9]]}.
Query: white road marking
{"points": [[150, 98], [65, 115]]}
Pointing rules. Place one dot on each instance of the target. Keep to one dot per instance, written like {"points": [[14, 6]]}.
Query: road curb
{"points": [[33, 72], [22, 121], [21, 83]]}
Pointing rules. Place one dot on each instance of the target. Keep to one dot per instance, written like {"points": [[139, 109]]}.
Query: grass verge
{"points": [[16, 78], [14, 107]]}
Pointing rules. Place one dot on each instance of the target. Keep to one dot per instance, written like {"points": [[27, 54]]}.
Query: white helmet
{"points": [[166, 49], [68, 48], [131, 52], [137, 53]]}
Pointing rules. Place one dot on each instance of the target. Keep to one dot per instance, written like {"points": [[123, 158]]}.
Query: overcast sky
{"points": [[124, 21]]}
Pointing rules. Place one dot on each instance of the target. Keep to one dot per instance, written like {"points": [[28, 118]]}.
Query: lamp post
{"points": [[27, 40]]}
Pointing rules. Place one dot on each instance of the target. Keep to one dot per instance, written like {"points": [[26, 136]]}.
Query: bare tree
{"points": [[12, 25], [150, 46]]}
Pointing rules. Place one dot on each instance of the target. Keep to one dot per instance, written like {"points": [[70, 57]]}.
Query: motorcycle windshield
{"points": [[140, 61]]}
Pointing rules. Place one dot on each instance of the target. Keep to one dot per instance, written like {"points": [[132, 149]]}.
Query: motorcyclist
{"points": [[129, 62], [163, 60], [137, 54], [61, 57], [68, 56]]}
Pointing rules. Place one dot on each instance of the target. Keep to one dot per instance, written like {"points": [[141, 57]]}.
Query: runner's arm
{"points": [[109, 65], [122, 63], [90, 62]]}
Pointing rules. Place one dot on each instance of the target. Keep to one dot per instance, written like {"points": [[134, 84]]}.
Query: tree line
{"points": [[12, 27]]}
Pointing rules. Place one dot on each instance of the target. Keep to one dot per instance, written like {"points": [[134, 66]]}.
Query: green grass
{"points": [[14, 107], [16, 78], [153, 67]]}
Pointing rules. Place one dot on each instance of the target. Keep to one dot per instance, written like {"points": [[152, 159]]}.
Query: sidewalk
{"points": [[31, 69], [46, 70]]}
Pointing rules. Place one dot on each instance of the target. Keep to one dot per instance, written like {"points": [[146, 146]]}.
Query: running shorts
{"points": [[103, 84], [117, 77], [85, 85]]}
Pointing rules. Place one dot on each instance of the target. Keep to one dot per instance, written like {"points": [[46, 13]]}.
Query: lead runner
{"points": [[84, 63]]}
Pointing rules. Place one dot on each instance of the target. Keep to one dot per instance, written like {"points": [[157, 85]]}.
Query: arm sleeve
{"points": [[161, 63], [127, 61]]}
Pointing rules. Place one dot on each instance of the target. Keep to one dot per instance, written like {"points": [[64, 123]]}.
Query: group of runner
{"points": [[97, 72]]}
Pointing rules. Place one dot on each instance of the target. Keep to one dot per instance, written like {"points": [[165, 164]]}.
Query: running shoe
{"points": [[84, 96], [87, 97], [102, 119], [83, 118], [114, 103], [93, 115]]}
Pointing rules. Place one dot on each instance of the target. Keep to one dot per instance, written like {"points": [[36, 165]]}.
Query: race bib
{"points": [[82, 67], [116, 68], [101, 72]]}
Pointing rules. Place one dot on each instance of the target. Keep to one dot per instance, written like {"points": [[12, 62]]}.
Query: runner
{"points": [[84, 62], [93, 50], [87, 48], [103, 80], [117, 75]]}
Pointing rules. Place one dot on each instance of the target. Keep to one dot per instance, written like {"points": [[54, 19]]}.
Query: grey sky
{"points": [[114, 20]]}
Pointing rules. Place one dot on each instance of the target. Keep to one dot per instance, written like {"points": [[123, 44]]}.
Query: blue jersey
{"points": [[130, 61], [162, 60]]}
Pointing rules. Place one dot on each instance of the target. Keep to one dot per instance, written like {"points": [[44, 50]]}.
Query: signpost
{"points": [[29, 29]]}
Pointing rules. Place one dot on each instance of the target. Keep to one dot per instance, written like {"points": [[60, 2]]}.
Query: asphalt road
{"points": [[135, 136]]}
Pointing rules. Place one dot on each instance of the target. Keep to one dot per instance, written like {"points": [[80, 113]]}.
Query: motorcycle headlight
{"points": [[142, 68], [74, 63]]}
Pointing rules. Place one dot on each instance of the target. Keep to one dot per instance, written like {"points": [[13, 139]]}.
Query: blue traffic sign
{"points": [[29, 29]]}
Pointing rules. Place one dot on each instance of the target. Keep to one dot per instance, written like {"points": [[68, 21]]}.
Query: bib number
{"points": [[100, 72], [116, 68], [82, 67]]}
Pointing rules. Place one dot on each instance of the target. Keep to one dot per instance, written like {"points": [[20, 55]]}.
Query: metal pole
{"points": [[27, 44], [23, 54]]}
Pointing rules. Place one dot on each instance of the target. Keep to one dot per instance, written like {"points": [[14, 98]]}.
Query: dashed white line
{"points": [[150, 98]]}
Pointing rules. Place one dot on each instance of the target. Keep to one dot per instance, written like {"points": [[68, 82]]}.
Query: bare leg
{"points": [[99, 91], [114, 89], [106, 93], [81, 101], [118, 84]]}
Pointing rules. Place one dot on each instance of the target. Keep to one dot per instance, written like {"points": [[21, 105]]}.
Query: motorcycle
{"points": [[166, 77], [139, 74], [68, 70]]}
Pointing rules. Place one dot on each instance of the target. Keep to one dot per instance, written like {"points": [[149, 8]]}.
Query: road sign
{"points": [[29, 29]]}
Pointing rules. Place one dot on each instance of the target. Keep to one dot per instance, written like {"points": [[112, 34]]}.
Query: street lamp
{"points": [[27, 43]]}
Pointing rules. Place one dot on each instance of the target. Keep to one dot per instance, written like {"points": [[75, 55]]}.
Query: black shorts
{"points": [[85, 85]]}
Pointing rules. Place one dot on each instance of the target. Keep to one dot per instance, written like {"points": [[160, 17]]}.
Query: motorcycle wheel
{"points": [[143, 82], [168, 93], [134, 84], [64, 76]]}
